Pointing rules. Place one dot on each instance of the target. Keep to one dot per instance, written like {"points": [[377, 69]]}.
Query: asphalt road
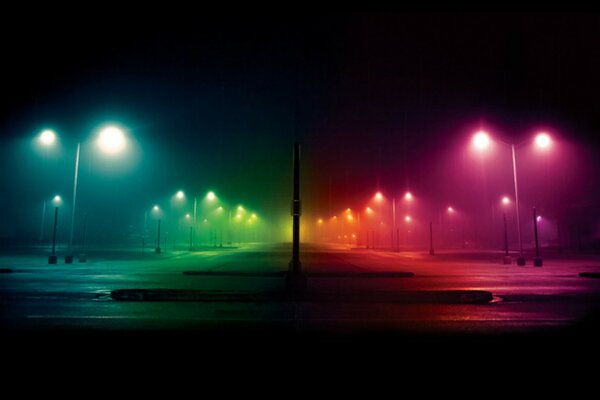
{"points": [[37, 297]]}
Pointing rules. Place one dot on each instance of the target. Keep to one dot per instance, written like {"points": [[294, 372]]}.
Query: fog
{"points": [[379, 103]]}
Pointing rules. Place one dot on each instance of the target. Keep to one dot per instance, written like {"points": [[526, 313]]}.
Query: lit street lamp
{"points": [[156, 212], [482, 141], [111, 140], [56, 201], [505, 202]]}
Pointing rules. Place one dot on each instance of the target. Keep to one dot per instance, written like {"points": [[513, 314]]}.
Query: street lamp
{"points": [[56, 202], [481, 141], [156, 212], [47, 137], [111, 140], [505, 203]]}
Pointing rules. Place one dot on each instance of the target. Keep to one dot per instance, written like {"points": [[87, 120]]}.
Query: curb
{"points": [[595, 275], [408, 297]]}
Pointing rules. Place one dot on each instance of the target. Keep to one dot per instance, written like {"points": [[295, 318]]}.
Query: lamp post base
{"points": [[69, 259], [52, 259], [537, 262], [157, 250], [521, 261]]}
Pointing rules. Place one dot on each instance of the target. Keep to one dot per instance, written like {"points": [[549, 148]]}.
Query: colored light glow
{"points": [[47, 137], [542, 140], [353, 236], [253, 216], [205, 220], [348, 210], [481, 140], [349, 217], [450, 209], [112, 140], [539, 218], [155, 208], [220, 208], [334, 217], [238, 216], [240, 209], [210, 196], [188, 216], [408, 196], [407, 218], [56, 201], [505, 200], [180, 195], [369, 210], [378, 196], [320, 221]]}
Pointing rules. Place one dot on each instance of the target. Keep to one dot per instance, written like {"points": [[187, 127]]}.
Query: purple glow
{"points": [[481, 140]]}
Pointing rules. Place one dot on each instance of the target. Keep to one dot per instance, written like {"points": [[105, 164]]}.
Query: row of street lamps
{"points": [[481, 141], [212, 203]]}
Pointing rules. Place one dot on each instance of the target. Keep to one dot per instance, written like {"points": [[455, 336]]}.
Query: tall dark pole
{"points": [[431, 239], [507, 259], [191, 236], [82, 256], [295, 281], [537, 261], [157, 249], [52, 257]]}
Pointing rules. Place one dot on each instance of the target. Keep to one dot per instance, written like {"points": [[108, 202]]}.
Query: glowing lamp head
{"points": [[156, 209], [220, 208], [408, 196], [450, 209], [369, 210], [240, 208], [542, 140], [349, 217], [210, 196], [481, 140], [378, 196], [47, 137], [505, 200], [253, 216], [112, 140], [538, 218], [188, 216], [319, 221], [56, 201], [180, 195], [407, 218]]}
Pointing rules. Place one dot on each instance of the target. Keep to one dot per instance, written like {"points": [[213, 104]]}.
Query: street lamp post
{"points": [[52, 258], [537, 261], [507, 259], [69, 256], [481, 140], [111, 140], [157, 249], [431, 252], [520, 259]]}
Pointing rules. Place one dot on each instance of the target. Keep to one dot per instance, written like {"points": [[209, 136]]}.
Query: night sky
{"points": [[378, 101]]}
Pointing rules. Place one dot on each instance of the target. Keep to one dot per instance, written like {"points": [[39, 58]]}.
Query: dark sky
{"points": [[216, 101]]}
